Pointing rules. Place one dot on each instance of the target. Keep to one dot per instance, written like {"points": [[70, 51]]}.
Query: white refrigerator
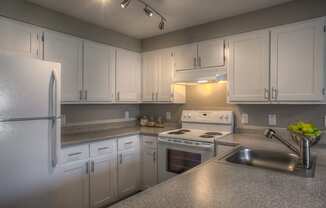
{"points": [[29, 131]]}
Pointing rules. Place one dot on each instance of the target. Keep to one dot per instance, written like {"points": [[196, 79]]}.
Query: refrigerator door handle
{"points": [[53, 113]]}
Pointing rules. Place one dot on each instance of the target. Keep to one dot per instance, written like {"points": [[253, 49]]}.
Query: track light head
{"points": [[125, 3], [148, 12], [161, 25]]}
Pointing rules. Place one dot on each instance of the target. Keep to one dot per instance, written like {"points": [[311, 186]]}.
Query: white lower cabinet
{"points": [[103, 176], [149, 162], [74, 185], [128, 166]]}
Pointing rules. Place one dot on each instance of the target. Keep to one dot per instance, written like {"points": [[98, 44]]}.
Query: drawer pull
{"points": [[74, 154], [129, 142], [102, 148]]}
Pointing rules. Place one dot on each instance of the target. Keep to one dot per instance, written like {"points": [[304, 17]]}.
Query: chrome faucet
{"points": [[302, 151]]}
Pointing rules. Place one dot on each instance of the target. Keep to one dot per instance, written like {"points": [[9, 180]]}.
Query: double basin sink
{"points": [[273, 160]]}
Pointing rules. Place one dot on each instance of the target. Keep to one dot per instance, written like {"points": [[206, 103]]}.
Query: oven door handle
{"points": [[201, 145]]}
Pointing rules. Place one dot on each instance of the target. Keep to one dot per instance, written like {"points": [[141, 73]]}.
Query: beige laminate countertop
{"points": [[93, 136]]}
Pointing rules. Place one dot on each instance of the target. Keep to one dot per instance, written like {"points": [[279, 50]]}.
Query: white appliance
{"points": [[182, 149], [29, 131]]}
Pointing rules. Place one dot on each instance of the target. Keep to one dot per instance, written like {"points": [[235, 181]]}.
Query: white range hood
{"points": [[202, 75]]}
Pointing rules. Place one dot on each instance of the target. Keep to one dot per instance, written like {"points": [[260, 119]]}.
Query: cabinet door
{"points": [[297, 61], [98, 71], [185, 57], [128, 76], [149, 162], [149, 76], [128, 166], [20, 38], [165, 74], [249, 67], [103, 180], [211, 53], [66, 50], [74, 186]]}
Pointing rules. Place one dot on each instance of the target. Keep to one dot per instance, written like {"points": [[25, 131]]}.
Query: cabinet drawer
{"points": [[149, 142], [103, 148], [128, 143], [76, 153]]}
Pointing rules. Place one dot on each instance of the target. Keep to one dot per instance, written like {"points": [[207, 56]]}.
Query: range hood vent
{"points": [[203, 75]]}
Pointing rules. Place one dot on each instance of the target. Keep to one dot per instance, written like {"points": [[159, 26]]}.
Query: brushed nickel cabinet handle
{"points": [[102, 148], [266, 93], [85, 94], [274, 93], [92, 166], [199, 61], [120, 158], [154, 156], [87, 167], [80, 94], [74, 154], [195, 62], [118, 96], [152, 96], [157, 96]]}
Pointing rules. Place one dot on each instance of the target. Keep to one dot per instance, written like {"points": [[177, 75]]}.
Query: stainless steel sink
{"points": [[279, 161]]}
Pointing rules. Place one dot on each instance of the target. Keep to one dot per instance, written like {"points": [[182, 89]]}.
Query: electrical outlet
{"points": [[244, 118], [168, 116], [272, 120], [126, 115]]}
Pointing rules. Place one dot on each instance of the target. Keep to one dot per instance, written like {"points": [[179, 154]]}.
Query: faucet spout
{"points": [[270, 133]]}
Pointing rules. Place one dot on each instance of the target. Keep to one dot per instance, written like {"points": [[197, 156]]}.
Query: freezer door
{"points": [[27, 174], [28, 88]]}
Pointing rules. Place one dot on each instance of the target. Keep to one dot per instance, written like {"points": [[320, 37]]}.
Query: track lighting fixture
{"points": [[149, 11], [125, 3], [161, 25]]}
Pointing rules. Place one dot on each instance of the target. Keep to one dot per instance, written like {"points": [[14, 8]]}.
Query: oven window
{"points": [[179, 161]]}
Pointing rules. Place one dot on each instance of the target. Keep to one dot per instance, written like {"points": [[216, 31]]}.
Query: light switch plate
{"points": [[244, 118], [272, 120], [168, 116]]}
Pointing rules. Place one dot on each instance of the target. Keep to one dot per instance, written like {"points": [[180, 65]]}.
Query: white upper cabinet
{"points": [[68, 51], [128, 76], [185, 57], [248, 70], [297, 61], [20, 38], [165, 74], [149, 76], [211, 53], [157, 78], [99, 64]]}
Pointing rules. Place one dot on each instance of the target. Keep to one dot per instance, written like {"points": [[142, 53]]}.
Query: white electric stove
{"points": [[182, 149]]}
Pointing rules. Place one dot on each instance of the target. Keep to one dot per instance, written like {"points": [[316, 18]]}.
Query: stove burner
{"points": [[213, 133], [181, 131], [176, 132], [206, 136]]}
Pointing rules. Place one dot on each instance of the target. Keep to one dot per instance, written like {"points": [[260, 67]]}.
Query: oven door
{"points": [[175, 158]]}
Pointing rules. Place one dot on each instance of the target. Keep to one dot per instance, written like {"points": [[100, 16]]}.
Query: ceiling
{"points": [[133, 22]]}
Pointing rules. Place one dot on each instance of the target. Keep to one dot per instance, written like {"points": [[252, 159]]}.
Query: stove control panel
{"points": [[212, 117]]}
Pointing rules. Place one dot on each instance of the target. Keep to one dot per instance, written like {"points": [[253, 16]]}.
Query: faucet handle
{"points": [[269, 133]]}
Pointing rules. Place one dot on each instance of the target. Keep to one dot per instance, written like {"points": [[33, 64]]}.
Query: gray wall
{"points": [[278, 15], [213, 97], [88, 113], [39, 16]]}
